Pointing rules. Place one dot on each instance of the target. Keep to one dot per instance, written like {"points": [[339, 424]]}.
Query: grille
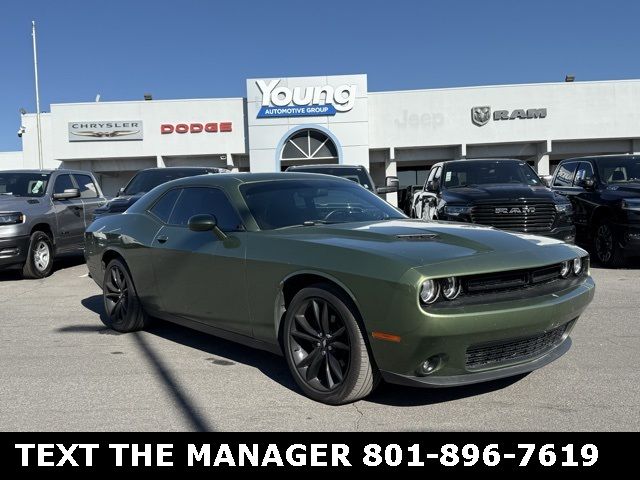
{"points": [[516, 279], [519, 216], [485, 355]]}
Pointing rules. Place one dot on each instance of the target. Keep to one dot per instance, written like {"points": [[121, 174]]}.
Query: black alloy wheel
{"points": [[320, 342], [116, 294], [607, 250], [124, 311], [325, 348]]}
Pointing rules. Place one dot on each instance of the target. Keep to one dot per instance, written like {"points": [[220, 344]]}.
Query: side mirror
{"points": [[68, 194], [206, 223], [547, 179], [586, 183], [392, 185], [120, 192], [433, 186]]}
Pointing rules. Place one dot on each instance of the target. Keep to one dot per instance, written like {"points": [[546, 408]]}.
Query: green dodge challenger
{"points": [[341, 283]]}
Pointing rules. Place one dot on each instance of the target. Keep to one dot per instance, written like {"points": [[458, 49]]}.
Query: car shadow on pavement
{"points": [[62, 263], [275, 367]]}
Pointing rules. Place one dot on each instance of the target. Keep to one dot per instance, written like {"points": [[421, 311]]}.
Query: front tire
{"points": [[325, 347], [39, 263], [124, 312], [607, 247]]}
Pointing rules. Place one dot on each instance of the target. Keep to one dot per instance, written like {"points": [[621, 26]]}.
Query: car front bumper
{"points": [[13, 251], [516, 329]]}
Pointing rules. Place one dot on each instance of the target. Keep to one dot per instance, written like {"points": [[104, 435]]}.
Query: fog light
{"points": [[429, 291], [429, 366], [565, 270], [577, 266]]}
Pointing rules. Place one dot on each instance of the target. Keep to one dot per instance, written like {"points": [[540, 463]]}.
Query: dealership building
{"points": [[336, 119]]}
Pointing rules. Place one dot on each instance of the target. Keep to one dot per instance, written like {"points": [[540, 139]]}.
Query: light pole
{"points": [[35, 67]]}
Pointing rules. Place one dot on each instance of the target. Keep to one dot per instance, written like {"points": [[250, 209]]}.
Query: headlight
{"points": [[450, 288], [564, 208], [429, 291], [577, 266], [566, 269], [12, 218], [631, 204], [456, 210]]}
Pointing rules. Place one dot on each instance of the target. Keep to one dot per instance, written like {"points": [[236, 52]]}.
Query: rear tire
{"points": [[325, 348], [123, 309], [39, 263], [607, 247]]}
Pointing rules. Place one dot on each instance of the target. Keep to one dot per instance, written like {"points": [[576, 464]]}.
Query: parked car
{"points": [[358, 174], [341, 283], [43, 214], [605, 193], [145, 181], [503, 193]]}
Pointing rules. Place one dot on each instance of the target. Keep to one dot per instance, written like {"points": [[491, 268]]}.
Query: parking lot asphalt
{"points": [[61, 369]]}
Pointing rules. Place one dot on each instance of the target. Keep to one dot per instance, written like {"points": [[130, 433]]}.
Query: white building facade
{"points": [[335, 119]]}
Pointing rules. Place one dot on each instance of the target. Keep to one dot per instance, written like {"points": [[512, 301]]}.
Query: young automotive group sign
{"points": [[279, 101]]}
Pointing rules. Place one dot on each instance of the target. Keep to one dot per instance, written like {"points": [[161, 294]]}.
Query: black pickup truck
{"points": [[605, 193], [502, 193]]}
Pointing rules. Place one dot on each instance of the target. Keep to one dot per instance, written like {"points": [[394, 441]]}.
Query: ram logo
{"points": [[515, 210], [480, 115]]}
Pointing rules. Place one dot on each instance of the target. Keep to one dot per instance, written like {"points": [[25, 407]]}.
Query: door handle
{"points": [[162, 238]]}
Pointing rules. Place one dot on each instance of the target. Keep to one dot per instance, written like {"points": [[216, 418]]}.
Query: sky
{"points": [[205, 48]]}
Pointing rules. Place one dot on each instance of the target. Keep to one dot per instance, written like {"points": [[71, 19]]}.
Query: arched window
{"points": [[310, 145]]}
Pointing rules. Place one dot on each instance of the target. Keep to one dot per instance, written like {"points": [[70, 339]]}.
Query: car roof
{"points": [[237, 178], [597, 157], [195, 169], [323, 165], [474, 160], [47, 172]]}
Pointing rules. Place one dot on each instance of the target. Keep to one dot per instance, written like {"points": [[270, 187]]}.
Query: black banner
{"points": [[348, 452]]}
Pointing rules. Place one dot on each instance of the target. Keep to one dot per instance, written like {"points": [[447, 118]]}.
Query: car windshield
{"points": [[356, 174], [146, 181], [287, 203], [619, 169], [23, 184], [472, 173]]}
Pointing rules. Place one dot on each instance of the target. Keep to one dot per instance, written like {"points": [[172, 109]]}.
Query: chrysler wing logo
{"points": [[111, 134], [480, 115], [515, 210]]}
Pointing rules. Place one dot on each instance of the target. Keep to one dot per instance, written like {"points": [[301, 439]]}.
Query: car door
{"points": [[69, 216], [199, 276], [90, 195], [584, 199], [421, 197]]}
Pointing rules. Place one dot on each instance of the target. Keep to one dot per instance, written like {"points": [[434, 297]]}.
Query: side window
{"points": [[204, 200], [86, 185], [163, 207], [63, 182], [585, 172], [564, 177], [432, 173]]}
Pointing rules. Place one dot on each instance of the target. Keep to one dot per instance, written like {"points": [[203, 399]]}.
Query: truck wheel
{"points": [[124, 312], [39, 263], [606, 246], [325, 347]]}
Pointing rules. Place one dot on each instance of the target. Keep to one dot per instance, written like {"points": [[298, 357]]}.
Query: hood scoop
{"points": [[418, 237]]}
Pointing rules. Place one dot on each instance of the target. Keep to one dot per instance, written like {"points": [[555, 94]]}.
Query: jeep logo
{"points": [[515, 210]]}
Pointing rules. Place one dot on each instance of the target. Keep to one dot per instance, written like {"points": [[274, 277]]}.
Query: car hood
{"points": [[493, 193], [454, 246], [120, 204]]}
